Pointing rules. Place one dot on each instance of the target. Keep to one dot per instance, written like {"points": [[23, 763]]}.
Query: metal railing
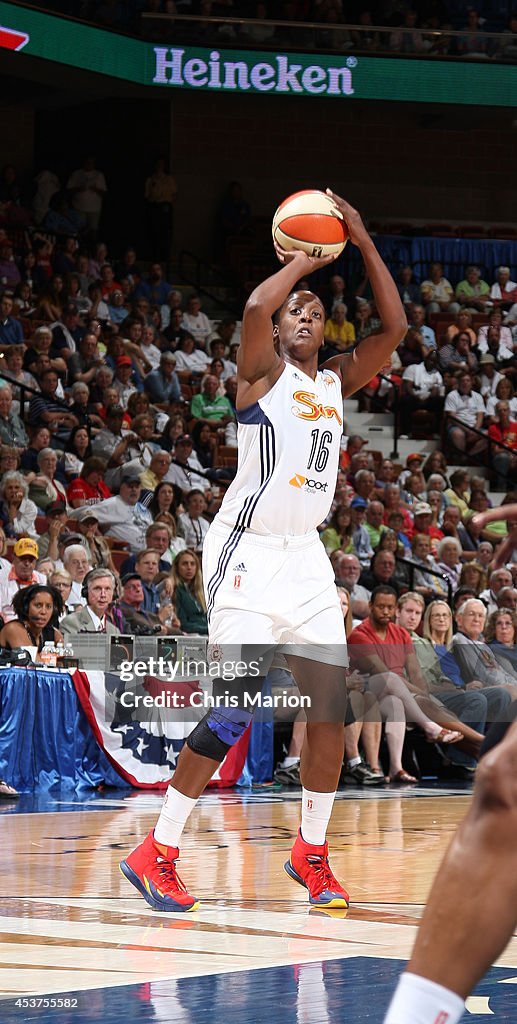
{"points": [[414, 567], [395, 411], [485, 459], [333, 36]]}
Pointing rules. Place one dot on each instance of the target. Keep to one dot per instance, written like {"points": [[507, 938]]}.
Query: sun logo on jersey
{"points": [[311, 409], [328, 380]]}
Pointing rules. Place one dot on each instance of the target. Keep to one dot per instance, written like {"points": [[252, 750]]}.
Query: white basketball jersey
{"points": [[288, 456]]}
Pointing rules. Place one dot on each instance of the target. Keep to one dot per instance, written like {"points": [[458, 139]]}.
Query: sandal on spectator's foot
{"points": [[401, 778], [446, 736], [7, 791]]}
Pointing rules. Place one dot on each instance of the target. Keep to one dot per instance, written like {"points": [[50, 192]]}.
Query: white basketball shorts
{"points": [[277, 592]]}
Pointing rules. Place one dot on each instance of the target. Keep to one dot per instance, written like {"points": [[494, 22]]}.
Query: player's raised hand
{"points": [[306, 263], [351, 217]]}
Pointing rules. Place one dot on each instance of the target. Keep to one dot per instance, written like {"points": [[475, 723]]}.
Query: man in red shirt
{"points": [[384, 652], [505, 431]]}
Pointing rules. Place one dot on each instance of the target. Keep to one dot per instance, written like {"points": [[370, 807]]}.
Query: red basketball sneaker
{"points": [[309, 866], [151, 868]]}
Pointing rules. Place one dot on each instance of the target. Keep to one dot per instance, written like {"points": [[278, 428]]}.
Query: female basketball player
{"points": [[269, 584]]}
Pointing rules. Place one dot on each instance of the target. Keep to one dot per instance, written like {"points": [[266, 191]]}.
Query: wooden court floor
{"points": [[78, 944]]}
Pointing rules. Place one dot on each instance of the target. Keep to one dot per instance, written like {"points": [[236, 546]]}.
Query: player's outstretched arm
{"points": [[257, 356], [505, 549], [371, 354]]}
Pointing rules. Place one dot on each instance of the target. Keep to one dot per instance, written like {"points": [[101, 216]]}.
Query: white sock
{"points": [[173, 817], [288, 761], [353, 761], [316, 811], [420, 1001]]}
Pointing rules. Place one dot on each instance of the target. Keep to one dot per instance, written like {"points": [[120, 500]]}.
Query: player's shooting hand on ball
{"points": [[351, 217], [306, 263]]}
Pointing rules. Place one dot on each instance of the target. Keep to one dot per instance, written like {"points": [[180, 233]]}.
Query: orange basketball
{"points": [[311, 221]]}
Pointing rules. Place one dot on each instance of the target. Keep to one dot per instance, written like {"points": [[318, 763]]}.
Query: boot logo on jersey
{"points": [[306, 484], [312, 409]]}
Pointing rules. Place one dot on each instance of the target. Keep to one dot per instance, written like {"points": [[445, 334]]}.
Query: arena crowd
{"points": [[118, 439]]}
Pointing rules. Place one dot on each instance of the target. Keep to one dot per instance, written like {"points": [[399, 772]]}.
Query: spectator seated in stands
{"points": [[12, 429], [47, 410], [498, 579], [147, 567], [489, 376], [462, 324], [436, 292], [124, 381], [360, 536], [208, 407], [41, 344], [422, 520], [456, 355], [339, 332], [423, 389], [192, 525], [99, 588], [412, 349], [17, 511], [409, 291], [157, 537], [347, 570], [507, 598], [448, 559], [501, 634], [190, 598], [502, 292], [88, 488], [337, 535], [385, 651], [424, 582], [374, 524], [444, 681], [465, 405], [504, 392], [97, 548], [67, 332], [191, 362], [114, 446], [196, 322], [185, 471], [366, 321], [162, 384], [504, 462], [85, 362], [56, 516], [156, 470], [503, 334], [14, 362], [21, 574], [381, 573], [473, 293], [123, 516], [11, 331], [478, 665], [75, 561], [46, 488], [129, 611], [417, 321]]}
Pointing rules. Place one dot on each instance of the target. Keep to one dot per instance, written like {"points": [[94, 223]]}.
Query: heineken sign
{"points": [[278, 73], [27, 32]]}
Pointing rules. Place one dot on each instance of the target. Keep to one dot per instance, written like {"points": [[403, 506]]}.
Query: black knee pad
{"points": [[218, 731], [204, 742]]}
